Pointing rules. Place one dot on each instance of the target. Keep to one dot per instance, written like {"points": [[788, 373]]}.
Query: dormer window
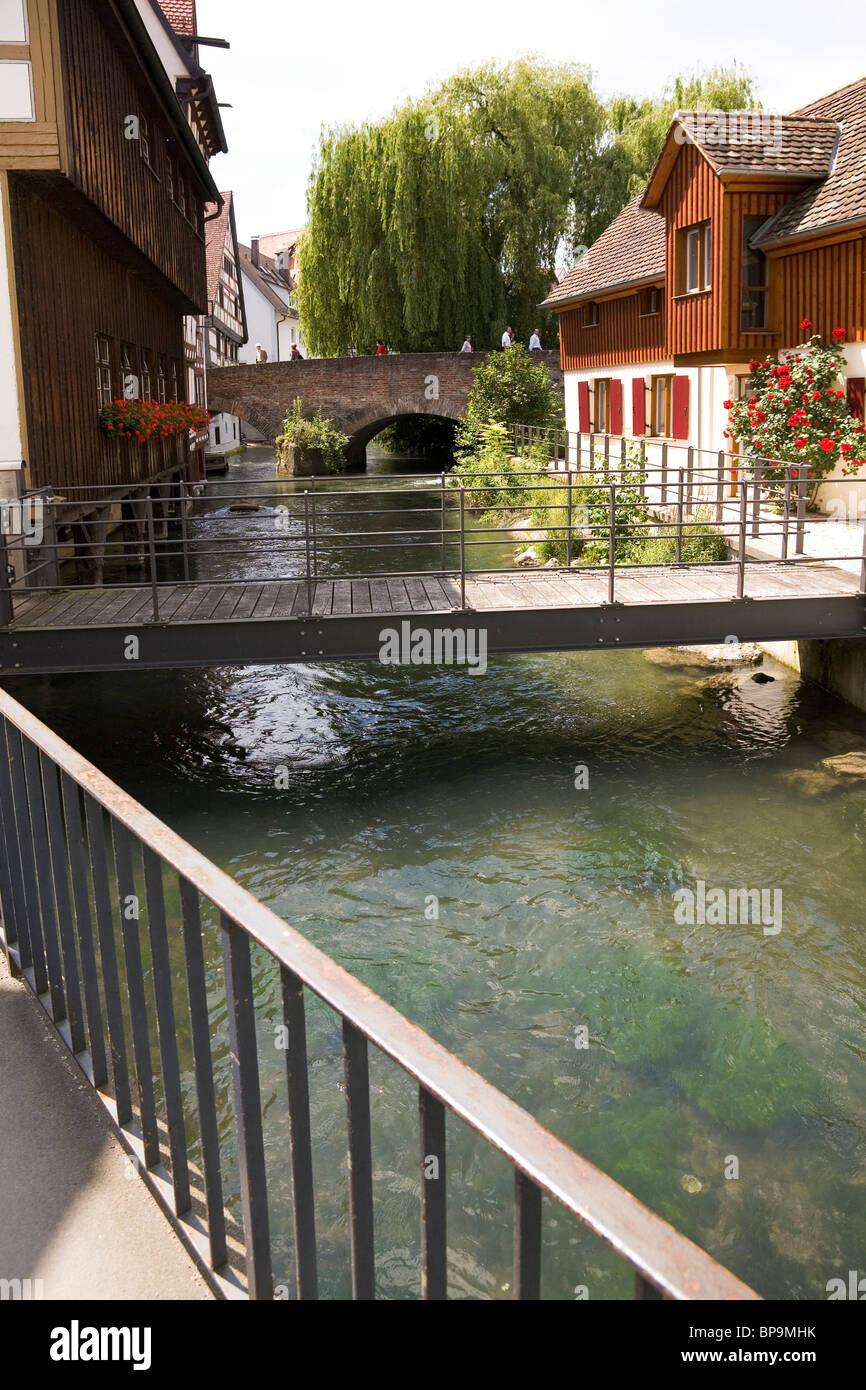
{"points": [[696, 258], [651, 301], [753, 314], [590, 314]]}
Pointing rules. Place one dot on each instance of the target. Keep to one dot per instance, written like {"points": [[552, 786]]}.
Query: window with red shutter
{"points": [[680, 408], [615, 406], [638, 405], [856, 395], [583, 406]]}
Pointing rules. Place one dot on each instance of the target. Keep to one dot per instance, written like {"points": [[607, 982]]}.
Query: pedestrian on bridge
{"points": [[508, 337], [381, 350], [535, 341], [296, 354], [467, 344]]}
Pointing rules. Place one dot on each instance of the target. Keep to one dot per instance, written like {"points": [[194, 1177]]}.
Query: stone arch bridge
{"points": [[360, 394]]}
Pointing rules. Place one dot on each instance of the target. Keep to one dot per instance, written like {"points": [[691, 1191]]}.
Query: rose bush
{"points": [[795, 411]]}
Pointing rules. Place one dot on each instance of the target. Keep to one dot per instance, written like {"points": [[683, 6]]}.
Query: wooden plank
{"points": [[435, 591], [361, 596], [219, 592], [246, 603], [229, 601], [418, 596], [342, 605], [400, 600], [323, 599], [269, 595], [380, 598], [450, 588], [287, 598]]}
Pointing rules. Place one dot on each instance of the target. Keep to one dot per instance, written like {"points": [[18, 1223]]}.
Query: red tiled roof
{"points": [[215, 240], [629, 251], [277, 241], [180, 15], [841, 197], [757, 142]]}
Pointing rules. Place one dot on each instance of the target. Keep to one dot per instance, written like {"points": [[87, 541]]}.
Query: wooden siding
{"points": [[621, 336], [36, 144], [826, 284], [737, 207], [103, 87], [693, 194], [69, 290]]}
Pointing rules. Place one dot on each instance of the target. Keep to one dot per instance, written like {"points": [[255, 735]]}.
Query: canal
{"points": [[431, 830]]}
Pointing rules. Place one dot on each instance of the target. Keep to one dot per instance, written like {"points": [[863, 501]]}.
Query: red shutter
{"points": [[638, 405], [583, 407], [615, 406], [856, 395], [680, 408]]}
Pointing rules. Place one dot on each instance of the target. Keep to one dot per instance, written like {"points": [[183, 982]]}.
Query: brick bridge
{"points": [[360, 394]]}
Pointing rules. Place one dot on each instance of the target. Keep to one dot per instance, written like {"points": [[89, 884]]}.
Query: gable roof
{"points": [[630, 251], [217, 230], [841, 197], [278, 241], [264, 277]]}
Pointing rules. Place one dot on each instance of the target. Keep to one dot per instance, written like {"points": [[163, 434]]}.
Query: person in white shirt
{"points": [[467, 344], [507, 338], [535, 341]]}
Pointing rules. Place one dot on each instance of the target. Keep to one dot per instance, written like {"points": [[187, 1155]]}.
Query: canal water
{"points": [[498, 857]]}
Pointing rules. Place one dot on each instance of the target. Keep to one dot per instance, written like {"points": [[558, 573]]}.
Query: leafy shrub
{"points": [[316, 432]]}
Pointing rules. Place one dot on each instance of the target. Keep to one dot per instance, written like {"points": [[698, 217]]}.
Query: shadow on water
{"points": [[425, 828]]}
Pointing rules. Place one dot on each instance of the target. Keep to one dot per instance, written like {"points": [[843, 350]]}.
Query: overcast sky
{"points": [[295, 67]]}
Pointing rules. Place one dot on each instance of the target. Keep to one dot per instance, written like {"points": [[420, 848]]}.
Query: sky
{"points": [[293, 68]]}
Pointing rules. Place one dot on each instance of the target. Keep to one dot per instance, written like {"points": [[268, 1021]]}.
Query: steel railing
{"points": [[76, 849], [330, 530]]}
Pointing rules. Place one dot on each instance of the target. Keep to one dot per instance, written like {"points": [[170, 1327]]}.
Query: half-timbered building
{"points": [[749, 223], [103, 187]]}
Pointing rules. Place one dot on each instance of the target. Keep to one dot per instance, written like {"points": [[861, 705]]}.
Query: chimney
{"points": [[254, 251]]}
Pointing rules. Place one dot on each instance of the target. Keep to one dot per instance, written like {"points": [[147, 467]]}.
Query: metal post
{"points": [[690, 465], [612, 543], [151, 545], [444, 557], [622, 455], [607, 451], [307, 547], [756, 500], [313, 521], [642, 488], [7, 610], [664, 480], [462, 547], [786, 515], [801, 512], [591, 450], [568, 533], [184, 535], [720, 487], [741, 556], [680, 495]]}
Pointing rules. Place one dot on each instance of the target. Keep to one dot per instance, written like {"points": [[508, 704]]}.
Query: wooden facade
{"points": [[825, 283], [624, 333], [106, 243]]}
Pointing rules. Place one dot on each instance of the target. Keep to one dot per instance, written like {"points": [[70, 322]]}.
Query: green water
{"points": [[555, 912]]}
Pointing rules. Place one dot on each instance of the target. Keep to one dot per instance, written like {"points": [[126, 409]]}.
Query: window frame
{"points": [[161, 379], [591, 314], [666, 382], [700, 236], [104, 370], [652, 294], [601, 388], [750, 226]]}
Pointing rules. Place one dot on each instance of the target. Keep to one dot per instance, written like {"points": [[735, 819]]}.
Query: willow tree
{"points": [[448, 216]]}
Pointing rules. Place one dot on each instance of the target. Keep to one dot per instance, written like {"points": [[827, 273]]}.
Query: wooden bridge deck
{"points": [[119, 606], [213, 623]]}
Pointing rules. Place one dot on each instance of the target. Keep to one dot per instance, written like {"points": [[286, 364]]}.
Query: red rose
{"points": [[826, 445], [839, 334], [846, 448], [727, 405], [801, 442], [806, 325], [840, 395]]}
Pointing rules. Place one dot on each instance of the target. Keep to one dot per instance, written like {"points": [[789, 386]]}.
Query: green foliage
{"points": [[316, 432], [449, 215], [795, 411], [510, 388], [496, 481]]}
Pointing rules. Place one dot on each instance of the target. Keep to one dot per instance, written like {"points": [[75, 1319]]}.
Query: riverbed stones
{"points": [[846, 765], [726, 654]]}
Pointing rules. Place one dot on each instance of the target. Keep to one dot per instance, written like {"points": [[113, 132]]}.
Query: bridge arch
{"points": [[360, 394]]}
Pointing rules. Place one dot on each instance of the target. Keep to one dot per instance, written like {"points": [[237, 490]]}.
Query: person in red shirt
{"points": [[381, 350]]}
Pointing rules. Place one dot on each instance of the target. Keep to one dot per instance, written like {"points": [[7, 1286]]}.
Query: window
{"points": [[199, 389], [696, 256], [590, 315], [216, 434], [228, 267], [103, 370], [753, 312], [651, 301], [661, 406], [174, 394], [146, 375], [170, 177], [161, 383], [601, 413], [180, 193], [144, 138], [129, 385]]}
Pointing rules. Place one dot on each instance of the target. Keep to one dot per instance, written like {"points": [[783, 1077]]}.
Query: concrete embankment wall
{"points": [[839, 666]]}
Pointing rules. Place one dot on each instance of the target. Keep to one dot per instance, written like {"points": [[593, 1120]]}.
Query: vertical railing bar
{"points": [[84, 921], [434, 1249], [16, 742], [690, 474], [462, 547], [203, 1067], [108, 957], [166, 1028], [307, 544], [63, 902], [15, 907], [313, 547], [184, 528], [801, 512], [741, 554], [612, 544], [720, 486], [680, 489], [444, 556], [7, 603], [664, 478], [300, 1135], [151, 546], [360, 1162], [130, 926], [527, 1238], [248, 1108], [786, 513], [756, 501], [570, 521]]}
